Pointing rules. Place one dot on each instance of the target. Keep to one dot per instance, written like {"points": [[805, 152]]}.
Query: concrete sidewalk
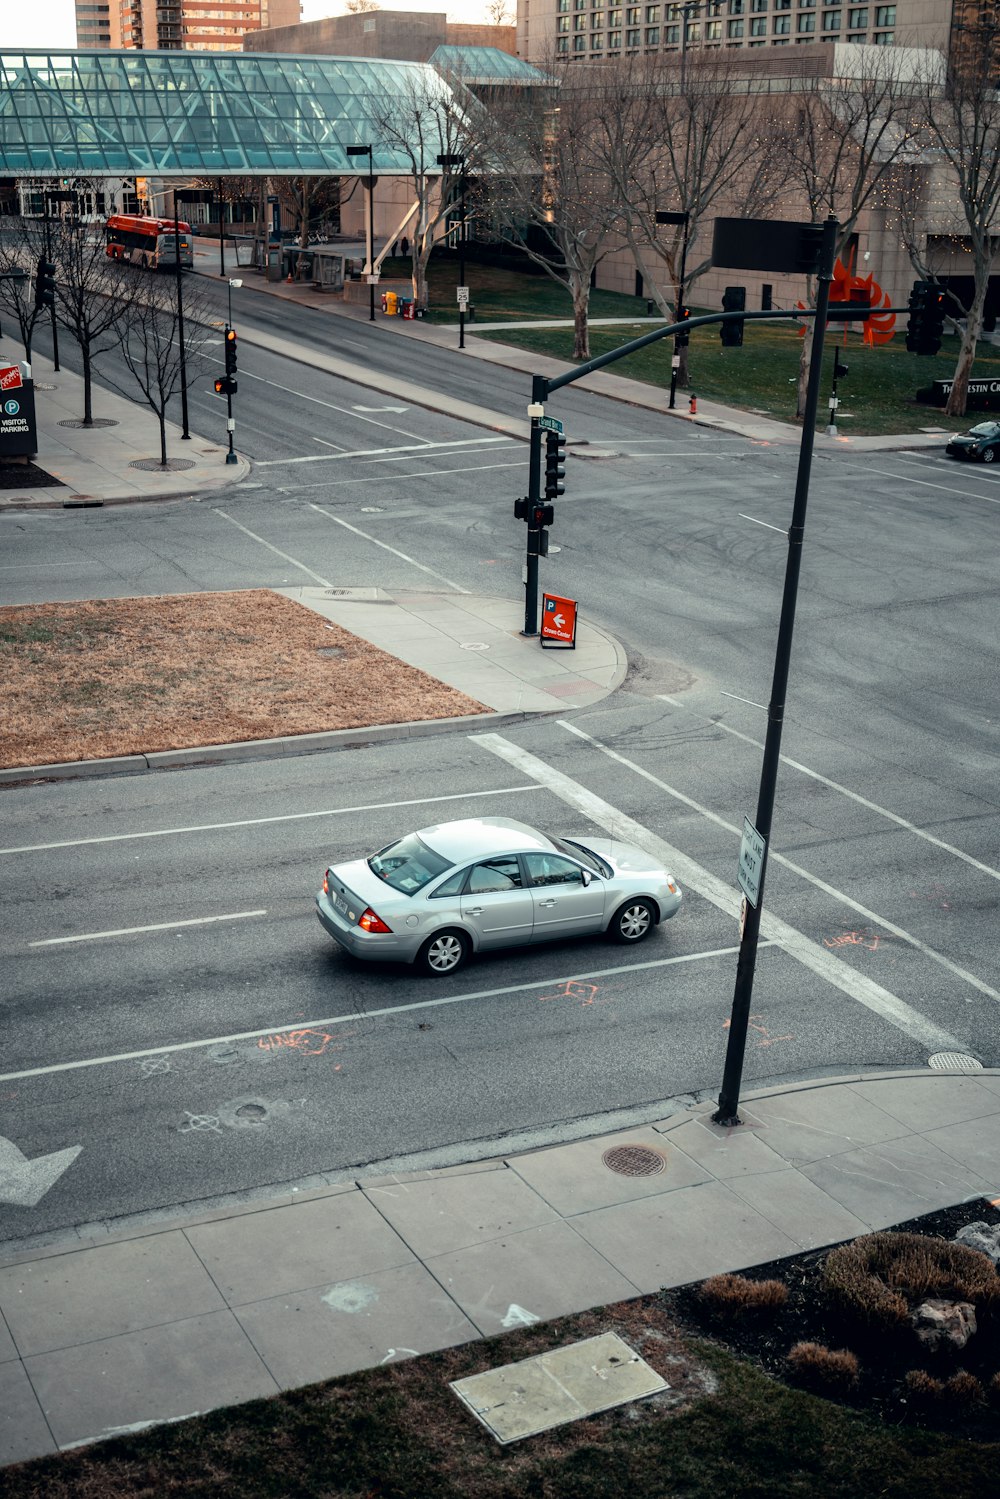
{"points": [[98, 465], [122, 1325]]}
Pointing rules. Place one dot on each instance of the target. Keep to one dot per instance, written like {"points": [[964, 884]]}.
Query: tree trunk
{"points": [[959, 393], [88, 391], [162, 418], [581, 307], [805, 359], [303, 233]]}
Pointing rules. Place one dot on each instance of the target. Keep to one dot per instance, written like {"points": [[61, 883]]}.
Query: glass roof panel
{"points": [[163, 113]]}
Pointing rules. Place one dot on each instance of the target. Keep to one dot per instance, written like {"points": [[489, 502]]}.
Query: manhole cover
{"points": [[151, 465], [40, 386], [475, 645], [634, 1160], [251, 1113], [330, 650], [99, 421], [953, 1061]]}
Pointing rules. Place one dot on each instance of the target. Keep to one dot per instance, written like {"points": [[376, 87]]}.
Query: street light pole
{"points": [[675, 363], [742, 996], [185, 433], [368, 151], [455, 159]]}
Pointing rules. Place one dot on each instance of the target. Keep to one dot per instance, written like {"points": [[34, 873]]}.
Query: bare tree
{"points": [[91, 296], [498, 13], [696, 143], [21, 245], [551, 194], [841, 140], [962, 116], [361, 7], [149, 345], [307, 200], [423, 118]]}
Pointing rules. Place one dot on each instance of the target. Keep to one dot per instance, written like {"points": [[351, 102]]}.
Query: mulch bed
{"points": [[26, 476], [766, 1338]]}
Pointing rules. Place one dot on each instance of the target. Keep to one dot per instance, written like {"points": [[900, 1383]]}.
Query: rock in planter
{"points": [[982, 1236], [944, 1324]]}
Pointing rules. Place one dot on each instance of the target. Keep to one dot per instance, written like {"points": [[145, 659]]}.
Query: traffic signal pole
{"points": [[185, 433], [535, 411]]}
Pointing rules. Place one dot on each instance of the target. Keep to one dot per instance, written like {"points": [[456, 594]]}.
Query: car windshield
{"points": [[584, 855], [408, 864], [985, 429]]}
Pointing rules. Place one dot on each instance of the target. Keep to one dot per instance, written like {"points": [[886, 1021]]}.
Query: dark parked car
{"points": [[981, 441]]}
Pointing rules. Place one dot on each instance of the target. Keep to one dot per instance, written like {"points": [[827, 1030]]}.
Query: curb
{"points": [[259, 749]]}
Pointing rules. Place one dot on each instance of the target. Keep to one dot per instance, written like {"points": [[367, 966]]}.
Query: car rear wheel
{"points": [[443, 953], [632, 921], [989, 454]]}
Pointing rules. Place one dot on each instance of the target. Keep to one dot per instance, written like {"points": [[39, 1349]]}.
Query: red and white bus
{"points": [[148, 242]]}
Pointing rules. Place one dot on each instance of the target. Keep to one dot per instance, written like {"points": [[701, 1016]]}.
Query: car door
{"points": [[496, 904], [567, 904]]}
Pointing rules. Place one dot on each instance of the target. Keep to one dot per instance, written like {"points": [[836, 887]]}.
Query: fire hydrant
{"points": [[693, 406]]}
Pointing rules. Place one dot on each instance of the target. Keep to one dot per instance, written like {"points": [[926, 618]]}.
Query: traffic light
{"points": [[230, 351], [682, 339], [926, 304], [555, 469], [45, 286], [734, 299], [225, 385]]}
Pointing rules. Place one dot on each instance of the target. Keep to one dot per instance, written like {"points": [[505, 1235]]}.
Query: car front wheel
{"points": [[989, 454], [443, 953], [633, 921]]}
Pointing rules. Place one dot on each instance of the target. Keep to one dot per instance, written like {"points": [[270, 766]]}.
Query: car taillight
{"points": [[371, 923], [326, 883]]}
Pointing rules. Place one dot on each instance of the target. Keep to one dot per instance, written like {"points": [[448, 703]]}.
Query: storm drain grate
{"points": [[153, 465], [953, 1061], [98, 421], [634, 1160]]}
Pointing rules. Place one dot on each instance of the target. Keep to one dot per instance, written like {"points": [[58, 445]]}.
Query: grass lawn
{"points": [[724, 1430], [88, 680], [877, 397]]}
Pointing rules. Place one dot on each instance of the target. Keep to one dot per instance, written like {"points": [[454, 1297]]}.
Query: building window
{"points": [[735, 28], [563, 23], [671, 35], [597, 21], [614, 39], [831, 20], [652, 36], [807, 23], [737, 7], [633, 15], [859, 36], [884, 38], [856, 19], [562, 5], [652, 15], [579, 23], [782, 4], [579, 43], [562, 43], [693, 31], [632, 38], [758, 27], [713, 31], [782, 25], [614, 18], [885, 15], [596, 43]]}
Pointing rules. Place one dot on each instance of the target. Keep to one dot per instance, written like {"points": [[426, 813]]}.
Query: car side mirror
{"points": [[587, 876]]}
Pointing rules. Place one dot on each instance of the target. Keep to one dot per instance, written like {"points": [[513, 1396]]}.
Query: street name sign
{"points": [[751, 866], [551, 424]]}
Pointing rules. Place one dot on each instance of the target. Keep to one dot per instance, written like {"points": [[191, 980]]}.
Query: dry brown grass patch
{"points": [[85, 681]]}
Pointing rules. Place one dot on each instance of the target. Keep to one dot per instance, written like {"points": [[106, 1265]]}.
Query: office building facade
{"points": [[178, 25]]}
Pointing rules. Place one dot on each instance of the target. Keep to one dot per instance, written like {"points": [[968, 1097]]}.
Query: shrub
{"points": [[993, 1391], [876, 1279], [963, 1389], [829, 1370], [923, 1389], [739, 1296]]}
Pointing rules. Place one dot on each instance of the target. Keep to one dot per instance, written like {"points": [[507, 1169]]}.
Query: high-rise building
{"points": [[594, 29], [175, 25]]}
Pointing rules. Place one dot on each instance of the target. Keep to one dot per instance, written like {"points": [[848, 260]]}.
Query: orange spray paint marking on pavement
{"points": [[573, 989]]}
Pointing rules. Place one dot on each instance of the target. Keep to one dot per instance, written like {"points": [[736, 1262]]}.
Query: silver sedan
{"points": [[433, 897]]}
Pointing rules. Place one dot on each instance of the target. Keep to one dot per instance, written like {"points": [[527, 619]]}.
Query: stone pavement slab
{"points": [[797, 1207], [807, 1127], [448, 1213], [974, 1142], [918, 1104], [332, 1330], [898, 1179], [24, 1431], [575, 1179]]}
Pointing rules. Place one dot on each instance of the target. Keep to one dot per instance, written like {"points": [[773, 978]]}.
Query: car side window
{"points": [[495, 874], [451, 886], [552, 869]]}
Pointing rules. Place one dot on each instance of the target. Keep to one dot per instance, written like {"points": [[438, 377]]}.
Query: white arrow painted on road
{"points": [[24, 1182]]}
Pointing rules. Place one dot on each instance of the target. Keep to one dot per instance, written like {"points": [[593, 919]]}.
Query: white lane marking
{"points": [[813, 879], [969, 470], [854, 796], [417, 447], [252, 822], [355, 1015], [330, 405], [466, 453], [276, 550], [880, 1001], [431, 572], [427, 473], [156, 926], [966, 494]]}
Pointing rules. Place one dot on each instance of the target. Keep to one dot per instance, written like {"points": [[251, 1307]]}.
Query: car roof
{"points": [[480, 837]]}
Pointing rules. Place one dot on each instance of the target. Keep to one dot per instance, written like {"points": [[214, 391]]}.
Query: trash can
{"points": [[389, 300], [406, 307]]}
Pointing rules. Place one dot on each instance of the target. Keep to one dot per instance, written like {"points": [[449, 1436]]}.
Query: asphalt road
{"points": [[158, 931]]}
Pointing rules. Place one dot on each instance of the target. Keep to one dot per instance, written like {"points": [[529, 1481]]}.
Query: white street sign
{"points": [[751, 865], [372, 280], [463, 294], [24, 1182], [675, 361]]}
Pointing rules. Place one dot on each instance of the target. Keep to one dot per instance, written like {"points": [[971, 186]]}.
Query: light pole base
{"points": [[727, 1121], [231, 458], [831, 430]]}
